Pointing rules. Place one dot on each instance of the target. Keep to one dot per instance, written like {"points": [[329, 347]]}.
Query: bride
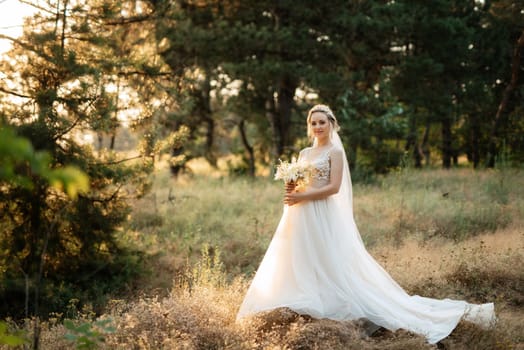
{"points": [[317, 264]]}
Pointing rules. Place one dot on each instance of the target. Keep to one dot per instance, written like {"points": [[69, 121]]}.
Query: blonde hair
{"points": [[329, 114]]}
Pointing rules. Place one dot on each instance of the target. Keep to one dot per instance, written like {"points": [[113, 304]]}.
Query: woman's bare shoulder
{"points": [[336, 152]]}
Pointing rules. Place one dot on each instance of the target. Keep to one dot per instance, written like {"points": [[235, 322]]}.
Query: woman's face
{"points": [[320, 125]]}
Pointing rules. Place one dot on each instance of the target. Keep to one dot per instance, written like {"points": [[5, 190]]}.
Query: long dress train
{"points": [[317, 264]]}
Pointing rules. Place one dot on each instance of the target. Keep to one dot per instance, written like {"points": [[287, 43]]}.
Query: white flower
{"points": [[293, 171]]}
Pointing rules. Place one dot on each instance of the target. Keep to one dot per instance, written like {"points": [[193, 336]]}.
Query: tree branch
{"points": [[32, 3], [129, 20], [105, 200], [14, 93], [68, 129], [136, 72], [26, 46], [116, 161]]}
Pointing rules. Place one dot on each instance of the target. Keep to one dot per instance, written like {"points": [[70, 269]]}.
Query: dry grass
{"points": [[428, 242], [199, 312]]}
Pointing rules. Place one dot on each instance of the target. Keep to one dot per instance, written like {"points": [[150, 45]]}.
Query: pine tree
{"points": [[60, 71]]}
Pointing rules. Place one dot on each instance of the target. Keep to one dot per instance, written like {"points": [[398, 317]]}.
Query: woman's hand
{"points": [[292, 196]]}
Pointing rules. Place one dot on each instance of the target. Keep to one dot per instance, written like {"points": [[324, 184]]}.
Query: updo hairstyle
{"points": [[328, 112]]}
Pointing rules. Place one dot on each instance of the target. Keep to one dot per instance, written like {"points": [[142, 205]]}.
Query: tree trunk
{"points": [[100, 138], [352, 154], [210, 141], [515, 68], [279, 114], [286, 95], [272, 118], [424, 148], [412, 143], [447, 142], [207, 117], [248, 147], [475, 141], [115, 116], [112, 141]]}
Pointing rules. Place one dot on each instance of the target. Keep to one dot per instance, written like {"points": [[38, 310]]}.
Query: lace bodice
{"points": [[321, 164]]}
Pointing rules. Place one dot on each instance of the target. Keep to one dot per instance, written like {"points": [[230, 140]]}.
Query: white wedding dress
{"points": [[317, 264]]}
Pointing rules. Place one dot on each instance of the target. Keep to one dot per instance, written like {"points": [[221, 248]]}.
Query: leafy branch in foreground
{"points": [[21, 163], [88, 335], [10, 338]]}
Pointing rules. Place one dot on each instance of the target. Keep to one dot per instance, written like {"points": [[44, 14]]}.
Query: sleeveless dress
{"points": [[317, 264]]}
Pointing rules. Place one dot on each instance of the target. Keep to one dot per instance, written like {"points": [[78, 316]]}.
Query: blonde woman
{"points": [[316, 263]]}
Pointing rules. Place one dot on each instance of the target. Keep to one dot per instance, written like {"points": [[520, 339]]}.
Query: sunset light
{"points": [[12, 14], [140, 141]]}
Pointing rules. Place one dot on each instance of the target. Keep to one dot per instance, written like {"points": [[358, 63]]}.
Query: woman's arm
{"points": [[331, 188]]}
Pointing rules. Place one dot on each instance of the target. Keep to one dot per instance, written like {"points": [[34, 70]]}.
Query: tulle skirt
{"points": [[317, 264]]}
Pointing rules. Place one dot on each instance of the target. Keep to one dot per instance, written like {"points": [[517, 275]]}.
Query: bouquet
{"points": [[295, 172]]}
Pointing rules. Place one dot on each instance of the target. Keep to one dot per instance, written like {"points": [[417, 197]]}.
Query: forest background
{"points": [[99, 98]]}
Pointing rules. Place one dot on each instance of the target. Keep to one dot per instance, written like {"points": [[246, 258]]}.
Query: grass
{"points": [[456, 234]]}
